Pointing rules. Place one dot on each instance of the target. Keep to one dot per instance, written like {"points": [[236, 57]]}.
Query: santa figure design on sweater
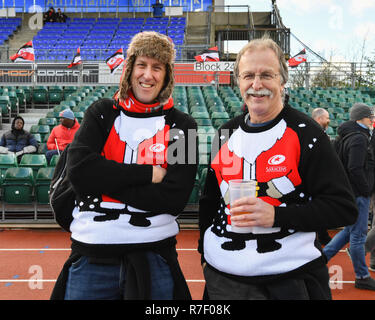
{"points": [[142, 140], [271, 158]]}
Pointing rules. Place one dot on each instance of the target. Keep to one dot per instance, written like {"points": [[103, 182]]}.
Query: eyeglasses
{"points": [[264, 76]]}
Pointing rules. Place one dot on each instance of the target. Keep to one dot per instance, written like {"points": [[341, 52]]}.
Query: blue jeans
{"points": [[356, 236], [87, 281]]}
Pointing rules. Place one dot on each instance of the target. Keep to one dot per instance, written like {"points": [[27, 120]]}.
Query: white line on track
{"points": [[60, 249], [188, 280], [54, 280]]}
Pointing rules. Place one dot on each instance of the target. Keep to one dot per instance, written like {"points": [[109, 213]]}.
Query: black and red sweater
{"points": [[118, 207], [298, 172]]}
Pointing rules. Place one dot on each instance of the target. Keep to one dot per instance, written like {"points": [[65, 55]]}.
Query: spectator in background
{"points": [[60, 17], [49, 16], [321, 116], [370, 239], [17, 140], [158, 9], [62, 134], [358, 161]]}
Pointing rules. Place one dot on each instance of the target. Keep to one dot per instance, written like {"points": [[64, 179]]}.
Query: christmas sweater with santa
{"points": [[110, 162], [298, 172]]}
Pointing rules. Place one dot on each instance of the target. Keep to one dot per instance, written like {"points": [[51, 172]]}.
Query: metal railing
{"points": [[96, 6], [307, 75], [332, 74]]}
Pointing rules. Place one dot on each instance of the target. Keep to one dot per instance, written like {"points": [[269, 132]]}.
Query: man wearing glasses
{"points": [[358, 160], [301, 188]]}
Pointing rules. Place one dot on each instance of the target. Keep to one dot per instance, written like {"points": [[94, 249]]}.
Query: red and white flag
{"points": [[211, 54], [297, 59], [24, 54], [115, 60], [76, 59]]}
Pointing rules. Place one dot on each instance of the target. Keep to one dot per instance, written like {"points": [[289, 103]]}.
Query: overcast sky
{"points": [[335, 29]]}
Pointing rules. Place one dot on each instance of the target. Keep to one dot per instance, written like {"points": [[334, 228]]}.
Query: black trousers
{"points": [[220, 287]]}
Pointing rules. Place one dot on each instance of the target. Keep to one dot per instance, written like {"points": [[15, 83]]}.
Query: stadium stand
{"points": [[99, 38], [208, 105], [7, 28]]}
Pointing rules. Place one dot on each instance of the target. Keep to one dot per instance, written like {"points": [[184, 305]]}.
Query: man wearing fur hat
{"points": [[129, 167], [358, 161]]}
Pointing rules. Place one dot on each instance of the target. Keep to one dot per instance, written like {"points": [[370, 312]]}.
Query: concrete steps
{"points": [[22, 36]]}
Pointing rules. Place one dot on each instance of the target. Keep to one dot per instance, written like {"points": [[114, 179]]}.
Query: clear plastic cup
{"points": [[240, 188]]}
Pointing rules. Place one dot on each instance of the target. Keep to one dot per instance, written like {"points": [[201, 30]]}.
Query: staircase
{"points": [[197, 35], [22, 36]]}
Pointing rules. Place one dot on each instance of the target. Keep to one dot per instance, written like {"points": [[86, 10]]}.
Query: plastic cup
{"points": [[239, 189]]}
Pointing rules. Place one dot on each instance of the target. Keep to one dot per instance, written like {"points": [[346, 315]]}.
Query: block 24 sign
{"points": [[215, 66]]}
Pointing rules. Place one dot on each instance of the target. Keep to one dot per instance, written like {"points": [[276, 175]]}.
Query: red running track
{"points": [[26, 256]]}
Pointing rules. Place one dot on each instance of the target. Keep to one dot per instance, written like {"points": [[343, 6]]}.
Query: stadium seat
{"points": [[204, 122], [7, 160], [42, 149], [79, 116], [21, 95], [52, 114], [55, 94], [200, 115], [37, 137], [219, 122], [5, 106], [219, 115], [28, 93], [51, 122], [40, 95], [330, 131], [69, 90], [18, 185], [61, 107], [34, 161], [55, 158], [14, 103], [42, 184], [43, 130], [205, 138]]}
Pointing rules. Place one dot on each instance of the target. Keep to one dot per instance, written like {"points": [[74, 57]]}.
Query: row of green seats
{"points": [[32, 160], [20, 185]]}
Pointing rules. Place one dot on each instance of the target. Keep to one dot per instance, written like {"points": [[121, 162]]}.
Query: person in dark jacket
{"points": [[370, 240], [301, 189], [358, 160], [131, 182], [17, 140], [321, 116], [49, 16], [60, 16]]}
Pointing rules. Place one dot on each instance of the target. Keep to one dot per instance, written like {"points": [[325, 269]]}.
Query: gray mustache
{"points": [[263, 92]]}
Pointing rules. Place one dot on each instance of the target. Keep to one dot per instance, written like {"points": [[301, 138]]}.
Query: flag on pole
{"points": [[76, 59], [24, 54], [297, 59], [211, 54], [115, 60]]}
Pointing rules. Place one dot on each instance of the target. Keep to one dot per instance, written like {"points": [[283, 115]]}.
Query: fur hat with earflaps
{"points": [[152, 45]]}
